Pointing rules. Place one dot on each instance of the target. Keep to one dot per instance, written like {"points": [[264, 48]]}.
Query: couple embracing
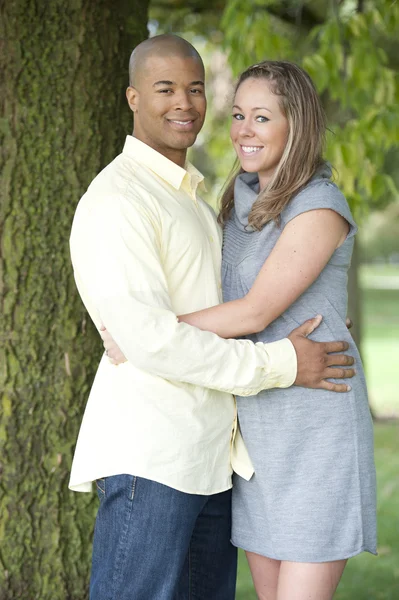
{"points": [[191, 326]]}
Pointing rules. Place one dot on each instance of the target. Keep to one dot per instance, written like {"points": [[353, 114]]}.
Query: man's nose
{"points": [[183, 101]]}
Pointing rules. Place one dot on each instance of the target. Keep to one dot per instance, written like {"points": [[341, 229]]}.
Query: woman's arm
{"points": [[301, 253]]}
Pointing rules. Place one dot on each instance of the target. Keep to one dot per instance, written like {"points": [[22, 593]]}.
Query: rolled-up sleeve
{"points": [[118, 262]]}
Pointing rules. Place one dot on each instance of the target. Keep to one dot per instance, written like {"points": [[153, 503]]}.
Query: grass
{"points": [[367, 577]]}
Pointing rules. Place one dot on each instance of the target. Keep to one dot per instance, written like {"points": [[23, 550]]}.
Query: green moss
{"points": [[6, 406]]}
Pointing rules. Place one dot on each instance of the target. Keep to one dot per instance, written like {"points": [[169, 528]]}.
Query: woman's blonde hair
{"points": [[303, 152]]}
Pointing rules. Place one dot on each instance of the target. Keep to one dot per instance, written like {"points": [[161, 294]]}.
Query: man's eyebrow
{"points": [[254, 108], [163, 83], [174, 83]]}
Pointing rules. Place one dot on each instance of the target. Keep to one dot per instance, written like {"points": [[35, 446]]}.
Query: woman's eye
{"points": [[262, 119], [237, 116]]}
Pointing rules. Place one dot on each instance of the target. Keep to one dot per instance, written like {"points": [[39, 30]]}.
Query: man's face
{"points": [[169, 104]]}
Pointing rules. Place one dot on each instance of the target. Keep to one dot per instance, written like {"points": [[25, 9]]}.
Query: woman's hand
{"points": [[112, 350]]}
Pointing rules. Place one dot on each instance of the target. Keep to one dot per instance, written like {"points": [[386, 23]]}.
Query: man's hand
{"points": [[316, 363], [112, 350]]}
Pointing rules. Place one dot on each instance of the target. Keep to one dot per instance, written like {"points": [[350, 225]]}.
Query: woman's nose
{"points": [[246, 129]]}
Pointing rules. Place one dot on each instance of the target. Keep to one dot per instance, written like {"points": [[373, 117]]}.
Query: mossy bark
{"points": [[63, 117]]}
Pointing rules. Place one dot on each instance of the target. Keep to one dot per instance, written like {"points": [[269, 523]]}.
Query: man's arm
{"points": [[315, 363], [117, 257]]}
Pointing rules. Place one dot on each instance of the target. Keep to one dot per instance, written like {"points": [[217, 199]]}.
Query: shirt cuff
{"points": [[279, 367], [282, 362]]}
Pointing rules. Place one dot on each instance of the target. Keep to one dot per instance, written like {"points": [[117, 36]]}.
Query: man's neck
{"points": [[176, 156]]}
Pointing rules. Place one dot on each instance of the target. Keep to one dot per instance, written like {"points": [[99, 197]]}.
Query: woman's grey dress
{"points": [[312, 498]]}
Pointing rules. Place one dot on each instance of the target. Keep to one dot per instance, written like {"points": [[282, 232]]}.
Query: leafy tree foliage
{"points": [[349, 48], [347, 57]]}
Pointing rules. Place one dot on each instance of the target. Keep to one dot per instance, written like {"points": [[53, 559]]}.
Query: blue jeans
{"points": [[152, 542]]}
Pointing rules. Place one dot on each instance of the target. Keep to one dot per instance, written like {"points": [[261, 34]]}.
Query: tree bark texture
{"points": [[64, 69]]}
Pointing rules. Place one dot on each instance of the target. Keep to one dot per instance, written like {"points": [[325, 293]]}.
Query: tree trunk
{"points": [[64, 71]]}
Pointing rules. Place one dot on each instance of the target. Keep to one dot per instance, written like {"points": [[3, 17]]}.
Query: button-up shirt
{"points": [[146, 248]]}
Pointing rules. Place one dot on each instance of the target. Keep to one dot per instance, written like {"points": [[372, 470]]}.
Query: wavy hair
{"points": [[303, 153]]}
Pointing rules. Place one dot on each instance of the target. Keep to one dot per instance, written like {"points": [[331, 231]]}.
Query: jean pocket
{"points": [[100, 485]]}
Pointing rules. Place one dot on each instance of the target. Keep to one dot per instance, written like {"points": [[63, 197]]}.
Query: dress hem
{"points": [[344, 556]]}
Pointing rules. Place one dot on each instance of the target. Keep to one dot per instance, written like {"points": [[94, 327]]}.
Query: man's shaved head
{"points": [[163, 46], [167, 95]]}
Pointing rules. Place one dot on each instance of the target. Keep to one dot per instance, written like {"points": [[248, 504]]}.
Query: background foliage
{"points": [[349, 48]]}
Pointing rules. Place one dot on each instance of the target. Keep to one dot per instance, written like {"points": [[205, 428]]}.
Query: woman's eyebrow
{"points": [[254, 108]]}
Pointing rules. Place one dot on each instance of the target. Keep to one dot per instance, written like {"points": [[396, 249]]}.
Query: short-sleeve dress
{"points": [[313, 495]]}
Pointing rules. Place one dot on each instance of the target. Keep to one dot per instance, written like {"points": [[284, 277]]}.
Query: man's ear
{"points": [[132, 96]]}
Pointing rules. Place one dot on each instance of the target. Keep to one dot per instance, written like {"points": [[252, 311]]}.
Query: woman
{"points": [[288, 240]]}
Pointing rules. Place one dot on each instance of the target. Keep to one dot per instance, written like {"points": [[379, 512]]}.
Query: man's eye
{"points": [[165, 91], [196, 91]]}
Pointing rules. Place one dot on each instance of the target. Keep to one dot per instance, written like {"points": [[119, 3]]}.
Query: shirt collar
{"points": [[162, 166]]}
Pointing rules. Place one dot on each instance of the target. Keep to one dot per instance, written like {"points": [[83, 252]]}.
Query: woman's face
{"points": [[259, 130]]}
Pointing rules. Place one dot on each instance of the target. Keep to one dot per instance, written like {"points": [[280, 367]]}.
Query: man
{"points": [[159, 432]]}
